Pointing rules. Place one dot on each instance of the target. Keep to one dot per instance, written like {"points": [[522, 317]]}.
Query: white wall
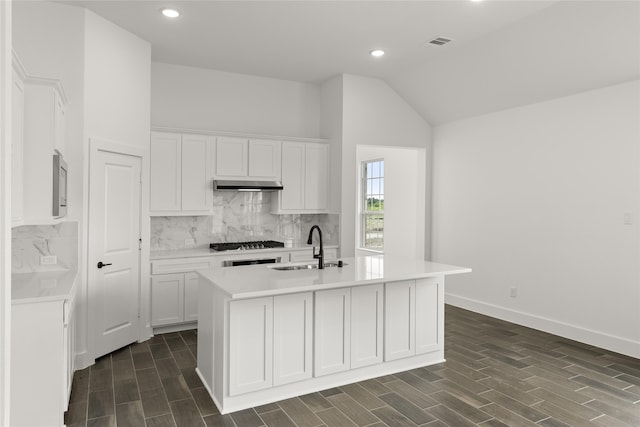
{"points": [[404, 204], [117, 83], [5, 209], [374, 114], [117, 109], [534, 198], [331, 129], [195, 98]]}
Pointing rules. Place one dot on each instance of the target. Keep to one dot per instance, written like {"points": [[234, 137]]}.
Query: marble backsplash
{"points": [[30, 242], [239, 216]]}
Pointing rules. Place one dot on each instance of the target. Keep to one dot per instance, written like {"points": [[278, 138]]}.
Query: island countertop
{"points": [[264, 280]]}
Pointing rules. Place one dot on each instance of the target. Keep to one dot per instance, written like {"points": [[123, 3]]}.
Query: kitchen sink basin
{"points": [[307, 266]]}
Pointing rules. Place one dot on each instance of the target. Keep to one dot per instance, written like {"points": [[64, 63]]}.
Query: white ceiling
{"points": [[504, 53]]}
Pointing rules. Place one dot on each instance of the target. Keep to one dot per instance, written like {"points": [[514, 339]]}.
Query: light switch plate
{"points": [[189, 242], [627, 218]]}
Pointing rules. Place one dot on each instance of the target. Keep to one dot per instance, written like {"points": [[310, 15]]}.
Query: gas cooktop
{"points": [[244, 246]]}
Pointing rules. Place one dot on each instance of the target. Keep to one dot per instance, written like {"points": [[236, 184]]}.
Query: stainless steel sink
{"points": [[307, 266]]}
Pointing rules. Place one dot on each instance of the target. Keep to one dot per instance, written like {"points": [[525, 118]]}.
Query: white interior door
{"points": [[114, 255]]}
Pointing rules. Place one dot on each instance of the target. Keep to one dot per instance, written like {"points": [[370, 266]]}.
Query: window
{"points": [[372, 205]]}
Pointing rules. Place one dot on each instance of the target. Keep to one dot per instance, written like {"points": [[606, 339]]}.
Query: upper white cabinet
{"points": [[180, 174], [242, 158], [305, 178], [17, 129], [44, 132]]}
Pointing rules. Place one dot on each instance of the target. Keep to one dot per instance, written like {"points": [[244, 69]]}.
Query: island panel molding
{"points": [[372, 317]]}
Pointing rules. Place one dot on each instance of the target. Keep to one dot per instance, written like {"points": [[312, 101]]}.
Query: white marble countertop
{"points": [[42, 286], [261, 280], [201, 252]]}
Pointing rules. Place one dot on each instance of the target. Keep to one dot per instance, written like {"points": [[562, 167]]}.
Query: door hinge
{"points": [[140, 178], [140, 244]]}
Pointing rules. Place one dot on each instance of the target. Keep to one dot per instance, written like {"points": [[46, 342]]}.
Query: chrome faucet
{"points": [[320, 254]]}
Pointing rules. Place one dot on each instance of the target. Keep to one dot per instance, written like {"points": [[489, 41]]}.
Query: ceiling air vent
{"points": [[439, 41]]}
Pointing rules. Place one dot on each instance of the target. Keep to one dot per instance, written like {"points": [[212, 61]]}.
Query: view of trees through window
{"points": [[372, 234]]}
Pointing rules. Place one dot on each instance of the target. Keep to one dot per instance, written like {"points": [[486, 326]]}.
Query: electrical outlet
{"points": [[189, 242], [514, 292], [48, 260]]}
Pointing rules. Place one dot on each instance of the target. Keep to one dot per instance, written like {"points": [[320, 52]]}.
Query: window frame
{"points": [[363, 196]]}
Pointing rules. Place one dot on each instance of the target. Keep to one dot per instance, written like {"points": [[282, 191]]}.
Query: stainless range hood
{"points": [[219, 184]]}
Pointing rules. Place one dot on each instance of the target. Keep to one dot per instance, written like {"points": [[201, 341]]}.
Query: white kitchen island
{"points": [[266, 334]]}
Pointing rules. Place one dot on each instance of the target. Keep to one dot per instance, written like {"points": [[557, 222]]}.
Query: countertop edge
{"points": [[336, 285], [70, 294], [205, 252]]}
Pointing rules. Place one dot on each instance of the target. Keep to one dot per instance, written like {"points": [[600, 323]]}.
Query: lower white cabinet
{"points": [[399, 320], [250, 345], [41, 362], [429, 315], [174, 290], [174, 298], [270, 341], [413, 317], [167, 299], [332, 331], [292, 337], [367, 311]]}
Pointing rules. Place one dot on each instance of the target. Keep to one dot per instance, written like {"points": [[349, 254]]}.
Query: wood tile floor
{"points": [[496, 374]]}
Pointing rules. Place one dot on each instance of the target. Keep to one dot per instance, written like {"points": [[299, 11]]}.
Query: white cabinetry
{"points": [[429, 315], [332, 331], [270, 342], [292, 337], [399, 320], [17, 129], [366, 325], [413, 310], [174, 290], [180, 174], [243, 159], [44, 102], [305, 178], [250, 345], [167, 299], [41, 362]]}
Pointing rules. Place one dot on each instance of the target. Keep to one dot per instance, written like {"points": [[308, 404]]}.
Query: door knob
{"points": [[101, 264]]}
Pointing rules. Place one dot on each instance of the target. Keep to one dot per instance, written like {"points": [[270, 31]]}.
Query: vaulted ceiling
{"points": [[503, 54]]}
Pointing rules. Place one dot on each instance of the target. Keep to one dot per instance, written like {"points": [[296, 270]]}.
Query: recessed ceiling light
{"points": [[170, 13], [377, 53]]}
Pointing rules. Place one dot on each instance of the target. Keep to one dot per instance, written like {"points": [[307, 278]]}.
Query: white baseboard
{"points": [[573, 332], [83, 360]]}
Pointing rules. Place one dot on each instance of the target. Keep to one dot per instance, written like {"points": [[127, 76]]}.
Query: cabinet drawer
{"points": [[181, 265]]}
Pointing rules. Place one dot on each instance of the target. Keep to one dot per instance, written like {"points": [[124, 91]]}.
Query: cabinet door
{"points": [[17, 150], [366, 325], [293, 167], [165, 172], [231, 157], [167, 299], [292, 337], [399, 320], [191, 281], [195, 184], [316, 177], [332, 331], [250, 345], [264, 159], [429, 315]]}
